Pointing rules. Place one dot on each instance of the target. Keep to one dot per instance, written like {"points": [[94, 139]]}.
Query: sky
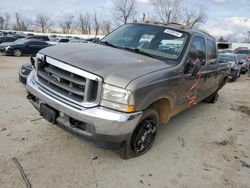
{"points": [[227, 18]]}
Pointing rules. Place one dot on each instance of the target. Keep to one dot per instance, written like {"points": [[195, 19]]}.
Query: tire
{"points": [[212, 98], [17, 53], [234, 78], [243, 72], [143, 136]]}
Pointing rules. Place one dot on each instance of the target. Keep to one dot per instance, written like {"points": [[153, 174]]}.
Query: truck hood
{"points": [[116, 66]]}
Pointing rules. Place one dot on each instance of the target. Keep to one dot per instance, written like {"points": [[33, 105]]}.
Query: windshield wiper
{"points": [[139, 51], [109, 44]]}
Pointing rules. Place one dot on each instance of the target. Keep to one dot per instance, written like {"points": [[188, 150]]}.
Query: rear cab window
{"points": [[211, 52]]}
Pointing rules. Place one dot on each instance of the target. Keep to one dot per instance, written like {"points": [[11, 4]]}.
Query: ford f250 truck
{"points": [[116, 93]]}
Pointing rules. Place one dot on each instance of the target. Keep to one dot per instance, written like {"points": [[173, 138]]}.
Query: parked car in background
{"points": [[221, 51], [30, 35], [229, 51], [233, 62], [3, 33], [53, 38], [17, 36], [7, 39], [60, 40], [24, 71], [93, 39], [243, 51], [28, 46], [40, 37], [63, 40], [243, 62], [4, 45], [74, 40]]}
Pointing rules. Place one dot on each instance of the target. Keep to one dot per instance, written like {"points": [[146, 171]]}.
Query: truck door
{"points": [[211, 73], [191, 85]]}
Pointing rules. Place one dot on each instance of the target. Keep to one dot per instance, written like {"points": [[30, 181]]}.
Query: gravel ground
{"points": [[206, 146]]}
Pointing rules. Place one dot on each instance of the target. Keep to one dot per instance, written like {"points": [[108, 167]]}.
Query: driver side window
{"points": [[198, 50]]}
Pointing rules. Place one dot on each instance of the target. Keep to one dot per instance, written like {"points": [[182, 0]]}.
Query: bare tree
{"points": [[43, 22], [68, 24], [85, 23], [4, 21], [192, 17], [96, 23], [177, 11], [106, 27], [22, 24], [124, 10], [167, 10]]}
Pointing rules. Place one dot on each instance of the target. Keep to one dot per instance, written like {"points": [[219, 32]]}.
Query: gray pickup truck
{"points": [[116, 93]]}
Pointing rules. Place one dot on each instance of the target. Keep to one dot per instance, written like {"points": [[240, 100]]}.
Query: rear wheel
{"points": [[239, 71], [17, 52], [212, 98], [143, 136], [234, 78]]}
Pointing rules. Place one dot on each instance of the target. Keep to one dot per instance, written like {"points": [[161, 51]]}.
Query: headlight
{"points": [[117, 98], [39, 58], [7, 47]]}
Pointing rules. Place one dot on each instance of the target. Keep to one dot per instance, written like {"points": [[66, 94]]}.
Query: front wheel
{"points": [[143, 136], [17, 52]]}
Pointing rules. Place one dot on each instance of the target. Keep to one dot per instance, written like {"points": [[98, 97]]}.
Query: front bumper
{"points": [[233, 73], [244, 69], [2, 50], [105, 128], [8, 52]]}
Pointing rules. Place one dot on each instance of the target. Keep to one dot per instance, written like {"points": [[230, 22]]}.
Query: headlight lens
{"points": [[119, 95], [7, 47], [117, 98]]}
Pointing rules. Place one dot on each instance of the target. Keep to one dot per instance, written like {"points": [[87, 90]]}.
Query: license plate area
{"points": [[48, 113]]}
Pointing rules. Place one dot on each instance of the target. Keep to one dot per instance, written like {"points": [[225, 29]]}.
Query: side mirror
{"points": [[192, 66], [187, 66]]}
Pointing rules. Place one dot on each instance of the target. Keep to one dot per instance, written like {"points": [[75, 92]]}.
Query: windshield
{"points": [[243, 52], [155, 41], [226, 59], [20, 41]]}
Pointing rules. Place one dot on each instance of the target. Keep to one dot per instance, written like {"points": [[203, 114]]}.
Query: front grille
{"points": [[68, 82]]}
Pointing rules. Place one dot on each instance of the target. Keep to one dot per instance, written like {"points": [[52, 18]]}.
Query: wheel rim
{"points": [[17, 52], [144, 137]]}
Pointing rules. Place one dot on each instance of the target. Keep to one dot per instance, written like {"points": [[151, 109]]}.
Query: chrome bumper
{"points": [[105, 127]]}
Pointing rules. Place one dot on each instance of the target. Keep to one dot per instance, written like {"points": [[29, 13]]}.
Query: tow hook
{"points": [[31, 97]]}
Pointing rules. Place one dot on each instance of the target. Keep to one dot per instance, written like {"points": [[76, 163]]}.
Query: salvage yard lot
{"points": [[206, 146]]}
